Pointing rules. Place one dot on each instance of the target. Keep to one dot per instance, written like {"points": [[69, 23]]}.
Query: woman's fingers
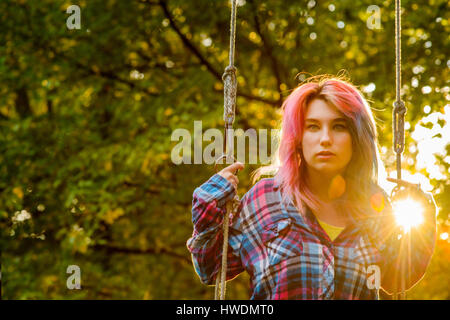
{"points": [[234, 167], [229, 173], [403, 183]]}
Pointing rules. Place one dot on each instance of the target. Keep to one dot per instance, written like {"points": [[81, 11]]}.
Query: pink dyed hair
{"points": [[362, 172]]}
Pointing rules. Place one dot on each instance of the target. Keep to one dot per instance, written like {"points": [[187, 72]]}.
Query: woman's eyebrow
{"points": [[333, 120]]}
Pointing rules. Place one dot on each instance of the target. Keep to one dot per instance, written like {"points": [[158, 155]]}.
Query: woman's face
{"points": [[326, 141]]}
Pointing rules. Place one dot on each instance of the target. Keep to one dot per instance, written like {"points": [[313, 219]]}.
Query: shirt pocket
{"points": [[282, 239]]}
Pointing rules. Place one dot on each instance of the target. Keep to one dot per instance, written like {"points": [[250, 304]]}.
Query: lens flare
{"points": [[408, 213]]}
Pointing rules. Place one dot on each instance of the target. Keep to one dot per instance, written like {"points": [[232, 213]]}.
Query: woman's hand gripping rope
{"points": [[230, 173]]}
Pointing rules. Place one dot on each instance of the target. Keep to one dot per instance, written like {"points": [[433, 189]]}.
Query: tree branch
{"points": [[204, 61], [40, 44], [188, 43], [104, 74], [268, 50], [148, 2], [22, 102]]}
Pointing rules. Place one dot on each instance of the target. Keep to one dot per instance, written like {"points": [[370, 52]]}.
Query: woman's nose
{"points": [[325, 138]]}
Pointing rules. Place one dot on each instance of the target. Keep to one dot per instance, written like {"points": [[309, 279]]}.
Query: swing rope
{"points": [[398, 117], [229, 89], [399, 106]]}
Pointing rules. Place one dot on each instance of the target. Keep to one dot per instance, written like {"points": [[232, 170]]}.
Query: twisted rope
{"points": [[399, 106], [229, 91], [398, 117]]}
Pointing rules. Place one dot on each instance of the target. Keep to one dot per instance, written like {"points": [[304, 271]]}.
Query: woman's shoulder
{"points": [[263, 187], [261, 204], [261, 196]]}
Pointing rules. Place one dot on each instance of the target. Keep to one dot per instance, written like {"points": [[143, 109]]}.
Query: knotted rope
{"points": [[229, 90]]}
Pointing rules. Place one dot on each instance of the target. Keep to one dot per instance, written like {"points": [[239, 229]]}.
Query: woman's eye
{"points": [[313, 126], [340, 127]]}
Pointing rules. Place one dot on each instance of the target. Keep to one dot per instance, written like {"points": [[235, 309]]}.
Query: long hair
{"points": [[289, 165]]}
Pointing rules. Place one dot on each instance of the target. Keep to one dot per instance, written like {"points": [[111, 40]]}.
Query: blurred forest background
{"points": [[86, 117]]}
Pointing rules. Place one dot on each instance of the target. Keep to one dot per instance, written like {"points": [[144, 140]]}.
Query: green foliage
{"points": [[86, 118]]}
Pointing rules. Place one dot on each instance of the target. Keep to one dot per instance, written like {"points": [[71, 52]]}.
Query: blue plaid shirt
{"points": [[289, 256]]}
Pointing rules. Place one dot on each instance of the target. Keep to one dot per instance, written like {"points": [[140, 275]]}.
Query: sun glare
{"points": [[408, 213]]}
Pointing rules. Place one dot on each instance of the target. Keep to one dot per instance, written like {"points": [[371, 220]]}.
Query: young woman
{"points": [[321, 228]]}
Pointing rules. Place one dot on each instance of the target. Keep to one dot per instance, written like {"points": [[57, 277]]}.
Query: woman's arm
{"points": [[406, 255], [205, 245]]}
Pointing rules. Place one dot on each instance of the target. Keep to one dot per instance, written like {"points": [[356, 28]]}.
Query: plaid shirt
{"points": [[290, 256]]}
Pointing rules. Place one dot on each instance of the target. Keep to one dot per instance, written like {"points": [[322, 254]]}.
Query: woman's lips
{"points": [[324, 155]]}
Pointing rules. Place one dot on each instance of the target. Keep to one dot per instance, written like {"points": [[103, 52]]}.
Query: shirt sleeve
{"points": [[205, 245], [405, 256]]}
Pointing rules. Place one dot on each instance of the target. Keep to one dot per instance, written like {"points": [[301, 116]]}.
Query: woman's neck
{"points": [[320, 185], [330, 215]]}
